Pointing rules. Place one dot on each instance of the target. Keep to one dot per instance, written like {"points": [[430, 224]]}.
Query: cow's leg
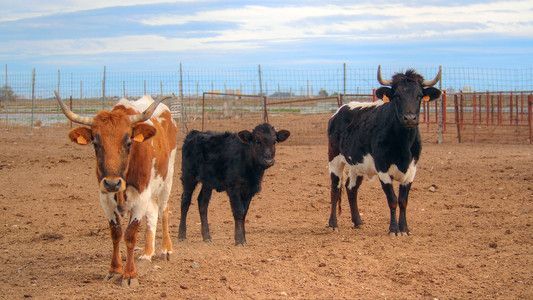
{"points": [[402, 201], [115, 271], [335, 200], [386, 185], [166, 244], [130, 238], [336, 169], [203, 204], [239, 214], [152, 215], [109, 205], [352, 185], [189, 183]]}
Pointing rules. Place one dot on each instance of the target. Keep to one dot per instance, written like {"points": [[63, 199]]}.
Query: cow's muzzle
{"points": [[112, 185], [268, 162], [410, 120]]}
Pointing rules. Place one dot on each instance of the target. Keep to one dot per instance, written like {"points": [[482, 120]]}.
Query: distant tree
{"points": [[282, 95], [322, 93], [7, 94]]}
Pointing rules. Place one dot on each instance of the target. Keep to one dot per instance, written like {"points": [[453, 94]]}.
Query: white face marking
{"points": [[354, 104]]}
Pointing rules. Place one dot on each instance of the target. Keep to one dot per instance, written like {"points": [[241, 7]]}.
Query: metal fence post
{"points": [[103, 90], [6, 102], [32, 98], [261, 89]]}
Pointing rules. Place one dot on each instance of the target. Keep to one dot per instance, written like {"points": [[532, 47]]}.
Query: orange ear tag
{"points": [[139, 138], [386, 99], [81, 140], [425, 98]]}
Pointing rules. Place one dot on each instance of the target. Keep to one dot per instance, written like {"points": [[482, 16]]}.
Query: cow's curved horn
{"points": [[145, 115], [71, 115], [380, 80], [435, 80]]}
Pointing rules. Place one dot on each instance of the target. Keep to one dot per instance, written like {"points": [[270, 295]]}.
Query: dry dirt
{"points": [[470, 212]]}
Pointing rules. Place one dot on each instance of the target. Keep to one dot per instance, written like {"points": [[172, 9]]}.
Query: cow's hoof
{"points": [[210, 241], [405, 233], [130, 282], [393, 234], [165, 255], [181, 239], [240, 244], [112, 277], [145, 258]]}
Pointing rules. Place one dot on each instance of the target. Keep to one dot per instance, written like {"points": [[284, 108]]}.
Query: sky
{"points": [[152, 35]]}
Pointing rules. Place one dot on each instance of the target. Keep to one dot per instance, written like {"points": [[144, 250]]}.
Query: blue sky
{"points": [[144, 35]]}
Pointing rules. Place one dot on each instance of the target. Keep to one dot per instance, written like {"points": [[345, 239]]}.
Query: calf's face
{"points": [[112, 136], [262, 141]]}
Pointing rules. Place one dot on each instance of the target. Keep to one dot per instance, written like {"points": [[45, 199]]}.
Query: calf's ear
{"points": [[431, 93], [142, 131], [384, 93], [282, 135], [245, 136], [81, 135]]}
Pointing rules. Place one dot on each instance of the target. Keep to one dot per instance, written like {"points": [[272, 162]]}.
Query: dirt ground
{"points": [[470, 212]]}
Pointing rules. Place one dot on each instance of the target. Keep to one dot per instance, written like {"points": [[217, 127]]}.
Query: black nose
{"points": [[112, 185], [410, 119], [268, 162]]}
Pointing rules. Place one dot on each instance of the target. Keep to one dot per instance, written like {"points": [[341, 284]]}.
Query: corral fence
{"points": [[301, 101]]}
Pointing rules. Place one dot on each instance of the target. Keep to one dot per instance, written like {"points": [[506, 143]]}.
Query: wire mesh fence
{"points": [[233, 100]]}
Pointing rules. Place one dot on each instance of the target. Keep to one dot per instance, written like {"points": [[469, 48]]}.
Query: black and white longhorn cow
{"points": [[379, 138]]}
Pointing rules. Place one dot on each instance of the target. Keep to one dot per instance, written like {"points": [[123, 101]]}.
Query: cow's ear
{"points": [[384, 93], [81, 135], [282, 135], [245, 136], [142, 131], [431, 93]]}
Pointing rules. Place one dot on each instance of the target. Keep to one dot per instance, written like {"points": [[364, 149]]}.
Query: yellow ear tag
{"points": [[81, 140], [139, 138], [386, 99], [425, 98]]}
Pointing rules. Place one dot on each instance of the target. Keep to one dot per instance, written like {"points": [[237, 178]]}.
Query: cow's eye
{"points": [[127, 145]]}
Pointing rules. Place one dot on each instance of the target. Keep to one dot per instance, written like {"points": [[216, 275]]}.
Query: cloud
{"points": [[26, 9]]}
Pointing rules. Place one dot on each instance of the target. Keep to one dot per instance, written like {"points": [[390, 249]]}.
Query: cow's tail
{"points": [[340, 198]]}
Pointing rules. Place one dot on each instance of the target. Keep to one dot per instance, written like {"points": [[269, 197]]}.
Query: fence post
{"points": [[461, 115], [457, 117], [529, 117], [487, 108], [261, 88], [344, 80], [182, 105], [500, 114], [511, 109], [32, 98], [474, 116], [6, 102], [103, 91]]}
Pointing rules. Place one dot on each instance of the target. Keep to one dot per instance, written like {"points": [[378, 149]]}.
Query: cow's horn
{"points": [[435, 80], [72, 116], [380, 80], [149, 111]]}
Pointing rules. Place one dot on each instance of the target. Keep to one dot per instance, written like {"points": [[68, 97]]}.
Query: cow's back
{"points": [[213, 158]]}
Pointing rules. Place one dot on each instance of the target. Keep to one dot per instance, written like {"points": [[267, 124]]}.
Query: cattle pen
{"points": [[470, 207]]}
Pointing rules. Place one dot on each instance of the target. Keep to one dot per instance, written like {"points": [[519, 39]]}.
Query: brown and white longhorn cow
{"points": [[135, 146]]}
